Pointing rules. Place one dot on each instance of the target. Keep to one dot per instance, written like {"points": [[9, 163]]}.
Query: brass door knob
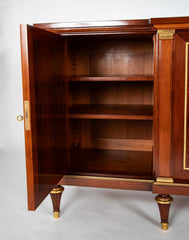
{"points": [[20, 118]]}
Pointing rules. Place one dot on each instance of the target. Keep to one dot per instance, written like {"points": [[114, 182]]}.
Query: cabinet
{"points": [[105, 105]]}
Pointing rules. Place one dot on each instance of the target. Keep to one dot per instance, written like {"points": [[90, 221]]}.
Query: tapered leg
{"points": [[164, 202], [56, 194]]}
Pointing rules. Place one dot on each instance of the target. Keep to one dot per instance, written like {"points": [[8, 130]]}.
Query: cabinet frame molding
{"points": [[185, 105]]}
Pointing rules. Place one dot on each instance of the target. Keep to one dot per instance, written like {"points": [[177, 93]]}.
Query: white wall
{"points": [[14, 12]]}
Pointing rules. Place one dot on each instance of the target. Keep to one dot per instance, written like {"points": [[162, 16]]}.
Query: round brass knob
{"points": [[20, 118]]}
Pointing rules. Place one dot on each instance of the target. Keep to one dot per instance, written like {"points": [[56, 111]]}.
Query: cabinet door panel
{"points": [[44, 88], [180, 126]]}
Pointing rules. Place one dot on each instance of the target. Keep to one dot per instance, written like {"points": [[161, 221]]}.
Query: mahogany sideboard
{"points": [[106, 105]]}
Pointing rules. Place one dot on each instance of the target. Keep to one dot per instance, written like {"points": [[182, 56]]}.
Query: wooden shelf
{"points": [[136, 164], [111, 111], [133, 78]]}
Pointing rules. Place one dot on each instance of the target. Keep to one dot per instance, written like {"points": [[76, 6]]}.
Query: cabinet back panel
{"points": [[121, 129], [111, 134], [123, 63], [111, 93], [113, 162], [112, 56]]}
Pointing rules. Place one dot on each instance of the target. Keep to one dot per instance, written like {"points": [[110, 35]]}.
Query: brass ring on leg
{"points": [[161, 200], [57, 190]]}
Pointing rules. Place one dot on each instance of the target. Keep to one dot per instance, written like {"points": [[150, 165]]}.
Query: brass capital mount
{"points": [[161, 200]]}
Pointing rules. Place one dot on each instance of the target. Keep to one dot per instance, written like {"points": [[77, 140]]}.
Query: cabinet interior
{"points": [[111, 56], [109, 107]]}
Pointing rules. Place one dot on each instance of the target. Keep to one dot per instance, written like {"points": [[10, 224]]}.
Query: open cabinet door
{"points": [[44, 94], [180, 126]]}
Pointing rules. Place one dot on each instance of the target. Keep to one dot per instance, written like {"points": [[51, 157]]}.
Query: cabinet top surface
{"points": [[135, 26], [114, 23]]}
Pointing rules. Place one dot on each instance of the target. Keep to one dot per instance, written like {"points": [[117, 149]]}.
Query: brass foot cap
{"points": [[164, 226], [56, 214]]}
